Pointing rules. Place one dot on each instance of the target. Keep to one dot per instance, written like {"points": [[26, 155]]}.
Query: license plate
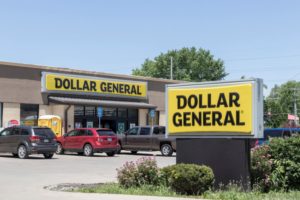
{"points": [[46, 140], [109, 139]]}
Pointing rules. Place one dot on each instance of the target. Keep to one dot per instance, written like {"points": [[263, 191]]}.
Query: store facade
{"points": [[29, 91]]}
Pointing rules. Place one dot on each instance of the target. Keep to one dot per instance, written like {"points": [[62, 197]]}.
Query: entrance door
{"points": [[111, 124]]}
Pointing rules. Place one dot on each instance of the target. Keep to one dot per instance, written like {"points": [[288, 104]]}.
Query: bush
{"points": [[277, 166], [261, 167], [286, 175], [286, 149], [286, 168], [143, 172], [189, 179]]}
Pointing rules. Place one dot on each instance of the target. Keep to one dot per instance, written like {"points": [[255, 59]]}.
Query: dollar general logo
{"points": [[61, 83], [210, 109]]}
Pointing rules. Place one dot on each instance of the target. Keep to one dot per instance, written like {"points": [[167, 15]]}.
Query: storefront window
{"points": [[132, 113], [1, 114], [117, 119], [29, 114], [122, 112], [133, 117], [109, 112], [79, 111], [90, 111]]}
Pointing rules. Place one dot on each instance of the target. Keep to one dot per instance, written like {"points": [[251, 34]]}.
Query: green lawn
{"points": [[232, 194]]}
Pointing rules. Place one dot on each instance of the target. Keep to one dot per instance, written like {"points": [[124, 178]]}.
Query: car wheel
{"points": [[134, 152], [166, 150], [59, 149], [48, 155], [110, 154], [119, 151], [88, 150], [22, 152]]}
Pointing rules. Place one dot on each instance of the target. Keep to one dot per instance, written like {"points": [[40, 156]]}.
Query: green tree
{"points": [[189, 64], [280, 103]]}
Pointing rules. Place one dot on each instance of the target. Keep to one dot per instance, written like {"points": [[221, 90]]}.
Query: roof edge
{"points": [[86, 72]]}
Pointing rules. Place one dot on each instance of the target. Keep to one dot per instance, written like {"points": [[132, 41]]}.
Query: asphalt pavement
{"points": [[26, 179]]}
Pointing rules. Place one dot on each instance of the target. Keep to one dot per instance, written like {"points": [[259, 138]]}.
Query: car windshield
{"points": [[44, 132], [105, 132]]}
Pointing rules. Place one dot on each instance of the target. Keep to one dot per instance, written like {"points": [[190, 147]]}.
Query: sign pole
{"points": [[100, 114]]}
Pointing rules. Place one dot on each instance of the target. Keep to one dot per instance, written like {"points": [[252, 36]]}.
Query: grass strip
{"points": [[230, 194]]}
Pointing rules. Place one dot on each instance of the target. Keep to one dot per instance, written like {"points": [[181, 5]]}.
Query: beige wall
{"points": [[142, 117], [10, 111], [60, 111], [71, 118], [45, 110], [157, 98], [162, 118]]}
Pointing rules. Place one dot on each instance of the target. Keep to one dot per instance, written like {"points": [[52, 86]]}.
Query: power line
{"points": [[262, 58]]}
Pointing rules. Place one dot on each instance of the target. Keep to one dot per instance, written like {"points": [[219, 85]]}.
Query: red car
{"points": [[87, 141]]}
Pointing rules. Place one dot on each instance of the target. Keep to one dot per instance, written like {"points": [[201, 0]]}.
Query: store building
{"points": [[29, 91]]}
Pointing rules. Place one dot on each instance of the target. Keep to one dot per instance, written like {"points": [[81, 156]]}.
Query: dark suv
{"points": [[22, 141]]}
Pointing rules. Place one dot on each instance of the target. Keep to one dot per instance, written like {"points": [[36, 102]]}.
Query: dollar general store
{"points": [[29, 91]]}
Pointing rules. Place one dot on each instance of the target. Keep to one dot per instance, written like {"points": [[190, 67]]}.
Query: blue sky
{"points": [[255, 38]]}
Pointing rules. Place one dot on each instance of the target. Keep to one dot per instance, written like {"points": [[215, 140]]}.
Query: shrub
{"points": [[148, 172], [277, 166], [286, 149], [286, 175], [127, 175], [189, 179], [261, 167], [286, 168], [142, 172]]}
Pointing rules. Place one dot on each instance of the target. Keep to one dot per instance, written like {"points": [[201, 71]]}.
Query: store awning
{"points": [[96, 102]]}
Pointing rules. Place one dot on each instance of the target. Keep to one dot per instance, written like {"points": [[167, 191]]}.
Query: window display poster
{"points": [[121, 128], [77, 125], [89, 124], [131, 125]]}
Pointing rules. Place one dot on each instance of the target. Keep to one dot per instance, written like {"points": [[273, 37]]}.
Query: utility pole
{"points": [[171, 75], [295, 107]]}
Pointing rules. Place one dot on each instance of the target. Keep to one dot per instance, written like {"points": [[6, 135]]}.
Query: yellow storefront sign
{"points": [[211, 110], [61, 83]]}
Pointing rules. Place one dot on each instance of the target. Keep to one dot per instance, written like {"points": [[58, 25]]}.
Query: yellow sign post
{"points": [[215, 109]]}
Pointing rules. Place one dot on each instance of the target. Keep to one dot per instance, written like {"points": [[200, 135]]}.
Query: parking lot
{"points": [[25, 179]]}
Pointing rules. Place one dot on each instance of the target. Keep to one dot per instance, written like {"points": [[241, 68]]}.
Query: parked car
{"points": [[22, 141], [87, 141], [147, 138], [275, 132]]}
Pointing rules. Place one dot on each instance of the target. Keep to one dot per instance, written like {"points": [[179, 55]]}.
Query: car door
{"points": [[3, 139], [70, 140], [80, 139], [159, 134], [131, 138], [13, 139], [144, 139]]}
